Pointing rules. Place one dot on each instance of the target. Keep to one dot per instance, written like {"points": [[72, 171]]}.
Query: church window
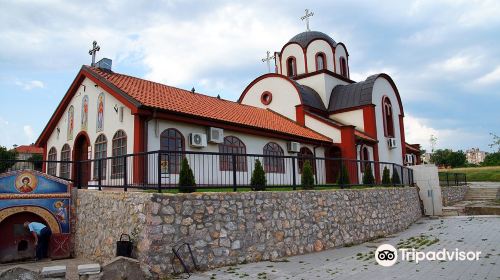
{"points": [[119, 149], [65, 166], [320, 61], [364, 154], [266, 98], [343, 67], [171, 140], [232, 145], [304, 155], [52, 166], [100, 151], [275, 163], [388, 117], [291, 66]]}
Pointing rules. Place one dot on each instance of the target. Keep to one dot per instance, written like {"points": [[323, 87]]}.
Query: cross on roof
{"points": [[268, 59], [93, 51], [306, 18]]}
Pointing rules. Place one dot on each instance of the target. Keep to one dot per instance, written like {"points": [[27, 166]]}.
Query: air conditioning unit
{"points": [[293, 147], [215, 135], [409, 158], [198, 140], [392, 142]]}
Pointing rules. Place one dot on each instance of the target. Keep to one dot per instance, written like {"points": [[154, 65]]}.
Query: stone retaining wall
{"points": [[230, 228], [453, 194]]}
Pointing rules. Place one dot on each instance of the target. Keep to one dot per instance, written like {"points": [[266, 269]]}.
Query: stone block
{"points": [[92, 268], [122, 268], [19, 273], [54, 271]]}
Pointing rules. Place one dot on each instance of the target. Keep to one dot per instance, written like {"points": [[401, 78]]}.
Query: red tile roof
{"points": [[25, 149], [155, 95]]}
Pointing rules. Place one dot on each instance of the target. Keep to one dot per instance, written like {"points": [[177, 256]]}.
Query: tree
{"points": [[492, 159], [258, 180], [368, 176], [307, 179], [343, 176], [395, 177], [37, 161], [386, 176], [6, 155], [449, 157], [187, 182], [495, 143]]}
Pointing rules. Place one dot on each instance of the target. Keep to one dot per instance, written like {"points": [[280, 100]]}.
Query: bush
{"points": [[395, 177], [258, 180], [6, 154], [368, 176], [343, 176], [386, 176], [187, 183], [492, 159], [307, 179]]}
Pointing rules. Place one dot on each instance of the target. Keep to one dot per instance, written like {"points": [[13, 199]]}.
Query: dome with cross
{"points": [[304, 38]]}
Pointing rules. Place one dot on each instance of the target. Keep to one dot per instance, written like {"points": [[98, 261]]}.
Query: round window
{"points": [[266, 98]]}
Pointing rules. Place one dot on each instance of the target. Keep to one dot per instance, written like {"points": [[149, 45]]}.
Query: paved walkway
{"points": [[471, 233], [484, 184], [71, 266]]}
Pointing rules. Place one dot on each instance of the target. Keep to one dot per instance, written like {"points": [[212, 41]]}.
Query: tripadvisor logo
{"points": [[387, 255]]}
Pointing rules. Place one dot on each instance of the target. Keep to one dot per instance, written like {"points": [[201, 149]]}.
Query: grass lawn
{"points": [[479, 174]]}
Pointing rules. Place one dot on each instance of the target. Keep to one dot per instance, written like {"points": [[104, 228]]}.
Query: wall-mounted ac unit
{"points": [[293, 147], [409, 158], [392, 142], [198, 140], [215, 135]]}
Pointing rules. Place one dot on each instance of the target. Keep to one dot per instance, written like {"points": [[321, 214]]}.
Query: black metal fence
{"points": [[448, 179], [159, 170]]}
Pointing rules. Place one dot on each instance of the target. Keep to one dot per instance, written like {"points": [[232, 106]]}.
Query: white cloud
{"points": [[29, 85], [361, 76], [457, 63], [489, 78]]}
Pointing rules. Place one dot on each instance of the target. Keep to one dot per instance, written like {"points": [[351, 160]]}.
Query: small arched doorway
{"points": [[333, 164], [81, 151]]}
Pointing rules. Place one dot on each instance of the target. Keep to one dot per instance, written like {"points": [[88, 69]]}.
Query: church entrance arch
{"points": [[81, 152], [333, 164]]}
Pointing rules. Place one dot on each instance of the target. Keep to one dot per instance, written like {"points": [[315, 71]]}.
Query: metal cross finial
{"points": [[93, 51], [306, 17], [268, 59]]}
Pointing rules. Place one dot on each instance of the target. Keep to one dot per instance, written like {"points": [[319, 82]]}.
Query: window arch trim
{"points": [[323, 56], [174, 159], [100, 151], [294, 66], [52, 166], [118, 162], [276, 163], [235, 147], [388, 117]]}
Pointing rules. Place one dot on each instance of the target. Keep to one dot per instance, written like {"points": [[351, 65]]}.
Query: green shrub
{"points": [[386, 176], [187, 183], [368, 176], [343, 176], [395, 177], [258, 180], [307, 179]]}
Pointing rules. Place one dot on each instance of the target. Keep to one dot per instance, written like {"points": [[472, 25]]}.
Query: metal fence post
{"points": [[159, 172], [99, 173], [125, 174], [233, 156], [78, 175], [447, 180], [294, 174], [456, 179], [402, 176]]}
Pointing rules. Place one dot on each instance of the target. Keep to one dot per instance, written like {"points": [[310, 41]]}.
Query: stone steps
{"points": [[481, 194], [454, 211]]}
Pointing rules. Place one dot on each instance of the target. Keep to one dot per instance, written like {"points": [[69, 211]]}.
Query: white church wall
{"points": [[383, 88], [284, 96], [210, 163], [354, 117], [296, 51], [317, 47], [323, 128], [323, 84], [111, 121], [340, 51]]}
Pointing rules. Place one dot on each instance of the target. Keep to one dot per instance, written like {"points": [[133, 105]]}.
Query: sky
{"points": [[443, 55]]}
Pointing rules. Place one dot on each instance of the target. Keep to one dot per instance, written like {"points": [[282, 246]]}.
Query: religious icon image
{"points": [[26, 182], [85, 112], [100, 112], [61, 211], [71, 122]]}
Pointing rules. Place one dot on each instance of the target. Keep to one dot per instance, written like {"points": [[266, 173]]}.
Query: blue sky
{"points": [[443, 55]]}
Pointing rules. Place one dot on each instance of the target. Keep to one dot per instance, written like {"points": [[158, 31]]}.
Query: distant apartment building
{"points": [[475, 156]]}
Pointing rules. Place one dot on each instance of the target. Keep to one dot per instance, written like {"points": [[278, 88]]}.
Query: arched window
{"points": [[65, 166], [343, 67], [171, 140], [52, 166], [119, 149], [364, 154], [304, 155], [100, 151], [388, 117], [320, 61], [291, 66], [232, 145], [275, 163]]}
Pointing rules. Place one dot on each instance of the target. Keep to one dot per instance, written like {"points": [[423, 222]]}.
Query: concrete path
{"points": [[471, 233], [494, 185], [71, 266]]}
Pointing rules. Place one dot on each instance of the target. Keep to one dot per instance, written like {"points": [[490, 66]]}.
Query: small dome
{"points": [[304, 38]]}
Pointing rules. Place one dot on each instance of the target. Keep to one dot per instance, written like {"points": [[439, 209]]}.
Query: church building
{"points": [[308, 106]]}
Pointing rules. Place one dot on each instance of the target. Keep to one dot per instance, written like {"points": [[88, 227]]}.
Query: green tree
{"points": [[492, 159], [449, 157], [307, 179], [187, 182], [495, 143], [386, 176], [343, 179], [258, 180], [368, 178], [395, 177], [6, 155], [37, 161]]}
